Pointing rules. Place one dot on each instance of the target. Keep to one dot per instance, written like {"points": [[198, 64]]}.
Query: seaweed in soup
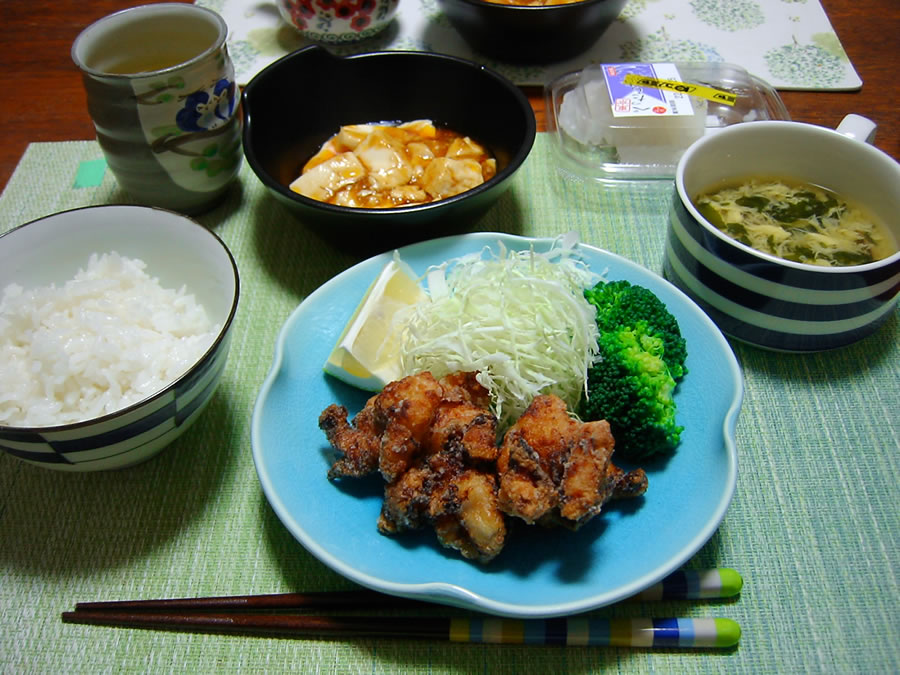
{"points": [[800, 222]]}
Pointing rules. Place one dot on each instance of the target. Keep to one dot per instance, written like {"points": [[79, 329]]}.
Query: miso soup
{"points": [[800, 222]]}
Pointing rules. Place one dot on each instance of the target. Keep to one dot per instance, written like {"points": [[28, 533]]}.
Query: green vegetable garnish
{"points": [[709, 212], [640, 359], [806, 206], [757, 202], [850, 258]]}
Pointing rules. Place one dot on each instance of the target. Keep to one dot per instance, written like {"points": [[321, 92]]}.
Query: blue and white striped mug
{"points": [[759, 298]]}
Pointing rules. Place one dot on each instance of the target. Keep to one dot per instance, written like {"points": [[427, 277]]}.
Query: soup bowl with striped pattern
{"points": [[765, 300], [186, 265]]}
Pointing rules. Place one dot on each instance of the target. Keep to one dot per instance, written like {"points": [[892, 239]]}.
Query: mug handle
{"points": [[858, 128]]}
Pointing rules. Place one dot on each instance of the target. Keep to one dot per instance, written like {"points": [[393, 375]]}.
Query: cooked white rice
{"points": [[102, 341]]}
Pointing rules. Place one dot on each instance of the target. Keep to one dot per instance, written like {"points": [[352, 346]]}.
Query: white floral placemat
{"points": [[788, 43]]}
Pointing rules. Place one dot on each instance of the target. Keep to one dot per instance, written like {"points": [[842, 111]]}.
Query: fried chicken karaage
{"points": [[435, 444], [556, 470]]}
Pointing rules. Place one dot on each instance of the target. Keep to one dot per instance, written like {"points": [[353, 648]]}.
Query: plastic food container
{"points": [[617, 121]]}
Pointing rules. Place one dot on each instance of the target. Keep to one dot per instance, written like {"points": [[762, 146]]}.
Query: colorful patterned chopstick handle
{"points": [[721, 582], [579, 632]]}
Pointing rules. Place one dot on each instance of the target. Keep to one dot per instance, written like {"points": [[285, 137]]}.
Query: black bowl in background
{"points": [[522, 34], [294, 105]]}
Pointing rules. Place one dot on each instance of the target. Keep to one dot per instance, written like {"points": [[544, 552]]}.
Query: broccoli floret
{"points": [[621, 303], [631, 384]]}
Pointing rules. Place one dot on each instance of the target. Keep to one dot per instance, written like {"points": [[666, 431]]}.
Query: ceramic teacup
{"points": [[765, 300], [162, 95]]}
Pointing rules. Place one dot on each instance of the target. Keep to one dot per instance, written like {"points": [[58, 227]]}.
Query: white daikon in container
{"points": [[635, 120]]}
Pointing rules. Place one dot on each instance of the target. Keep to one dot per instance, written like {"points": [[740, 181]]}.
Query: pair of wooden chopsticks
{"points": [[265, 614]]}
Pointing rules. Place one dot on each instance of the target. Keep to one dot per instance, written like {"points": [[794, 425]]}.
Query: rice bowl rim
{"points": [[211, 350]]}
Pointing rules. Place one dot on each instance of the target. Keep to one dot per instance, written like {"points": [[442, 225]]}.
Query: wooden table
{"points": [[44, 101]]}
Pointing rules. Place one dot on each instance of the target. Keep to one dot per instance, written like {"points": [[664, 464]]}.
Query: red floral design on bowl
{"points": [[336, 21]]}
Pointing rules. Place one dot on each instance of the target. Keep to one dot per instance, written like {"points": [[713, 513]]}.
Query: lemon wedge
{"points": [[366, 354]]}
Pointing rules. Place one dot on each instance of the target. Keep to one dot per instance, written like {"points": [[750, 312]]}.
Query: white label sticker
{"points": [[634, 100]]}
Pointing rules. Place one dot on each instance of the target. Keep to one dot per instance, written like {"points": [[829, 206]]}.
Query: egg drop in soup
{"points": [[386, 165], [799, 222]]}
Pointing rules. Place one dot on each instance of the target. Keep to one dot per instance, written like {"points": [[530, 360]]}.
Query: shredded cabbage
{"points": [[518, 317]]}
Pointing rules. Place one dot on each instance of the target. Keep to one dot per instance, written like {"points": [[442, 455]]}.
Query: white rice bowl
{"points": [[115, 324], [106, 339]]}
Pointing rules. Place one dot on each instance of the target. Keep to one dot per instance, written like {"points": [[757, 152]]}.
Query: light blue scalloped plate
{"points": [[540, 573]]}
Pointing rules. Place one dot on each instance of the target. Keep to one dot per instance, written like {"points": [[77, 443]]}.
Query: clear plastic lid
{"points": [[608, 123]]}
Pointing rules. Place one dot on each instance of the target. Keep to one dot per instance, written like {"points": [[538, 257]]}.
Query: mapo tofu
{"points": [[382, 166]]}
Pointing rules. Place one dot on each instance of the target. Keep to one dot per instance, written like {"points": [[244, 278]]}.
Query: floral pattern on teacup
{"points": [[204, 110], [195, 133]]}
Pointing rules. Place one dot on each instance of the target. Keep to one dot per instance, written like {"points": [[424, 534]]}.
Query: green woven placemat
{"points": [[813, 528]]}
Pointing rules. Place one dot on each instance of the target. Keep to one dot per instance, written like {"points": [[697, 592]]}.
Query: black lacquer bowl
{"points": [[294, 105], [525, 34]]}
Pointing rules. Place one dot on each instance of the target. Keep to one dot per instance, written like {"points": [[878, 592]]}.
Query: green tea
{"points": [[150, 45], [147, 63]]}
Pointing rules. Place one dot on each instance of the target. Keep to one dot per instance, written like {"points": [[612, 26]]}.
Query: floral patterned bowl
{"points": [[338, 21]]}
